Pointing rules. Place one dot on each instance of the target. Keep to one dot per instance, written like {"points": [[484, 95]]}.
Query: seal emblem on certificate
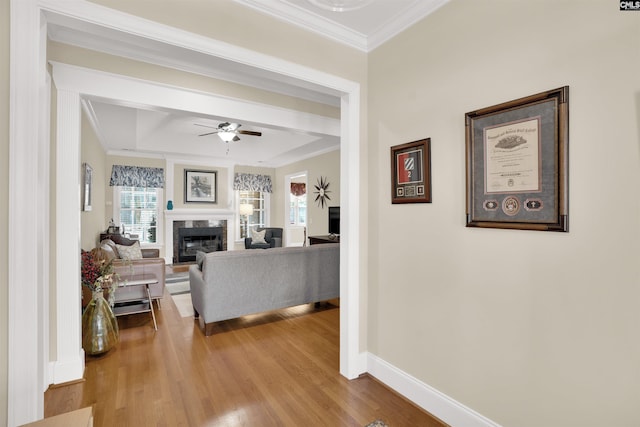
{"points": [[512, 157]]}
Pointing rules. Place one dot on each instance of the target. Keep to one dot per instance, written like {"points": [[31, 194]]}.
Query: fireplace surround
{"points": [[190, 237]]}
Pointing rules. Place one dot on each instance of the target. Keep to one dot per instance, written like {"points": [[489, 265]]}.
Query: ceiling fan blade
{"points": [[204, 126], [250, 132], [209, 133]]}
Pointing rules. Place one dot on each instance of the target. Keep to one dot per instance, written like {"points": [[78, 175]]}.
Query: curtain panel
{"points": [[252, 182], [136, 176]]}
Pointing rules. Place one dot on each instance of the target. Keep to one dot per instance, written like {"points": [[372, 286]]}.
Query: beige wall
{"points": [[239, 244], [527, 328], [93, 221], [223, 198], [327, 166], [230, 22], [95, 60], [128, 161], [4, 196]]}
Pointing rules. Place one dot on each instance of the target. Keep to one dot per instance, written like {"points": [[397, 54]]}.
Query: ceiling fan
{"points": [[229, 131]]}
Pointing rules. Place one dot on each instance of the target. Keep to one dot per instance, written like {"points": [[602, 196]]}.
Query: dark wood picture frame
{"points": [[200, 186], [517, 157], [411, 172]]}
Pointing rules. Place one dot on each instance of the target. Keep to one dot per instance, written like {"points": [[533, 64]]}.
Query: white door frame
{"points": [[28, 294]]}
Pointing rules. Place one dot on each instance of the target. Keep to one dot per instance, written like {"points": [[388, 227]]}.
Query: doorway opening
{"points": [[296, 209]]}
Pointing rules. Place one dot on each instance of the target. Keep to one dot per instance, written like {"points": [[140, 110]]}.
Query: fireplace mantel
{"points": [[196, 215]]}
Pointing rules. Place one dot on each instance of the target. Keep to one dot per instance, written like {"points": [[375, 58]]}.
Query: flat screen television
{"points": [[334, 219]]}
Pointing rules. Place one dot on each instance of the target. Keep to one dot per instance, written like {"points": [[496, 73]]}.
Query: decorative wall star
{"points": [[322, 192]]}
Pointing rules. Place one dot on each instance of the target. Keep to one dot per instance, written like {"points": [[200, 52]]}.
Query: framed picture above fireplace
{"points": [[200, 186]]}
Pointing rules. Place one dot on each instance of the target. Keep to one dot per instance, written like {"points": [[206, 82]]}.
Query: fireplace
{"points": [[192, 240], [190, 237]]}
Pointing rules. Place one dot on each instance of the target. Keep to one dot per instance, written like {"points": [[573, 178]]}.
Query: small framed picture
{"points": [[87, 178], [411, 172], [200, 186]]}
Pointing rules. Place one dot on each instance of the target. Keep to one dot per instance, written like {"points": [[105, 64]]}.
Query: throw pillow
{"points": [[200, 259], [110, 248], [130, 252], [258, 236]]}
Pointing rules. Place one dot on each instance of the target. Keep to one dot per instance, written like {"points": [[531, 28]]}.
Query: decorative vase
{"points": [[169, 205], [99, 326]]}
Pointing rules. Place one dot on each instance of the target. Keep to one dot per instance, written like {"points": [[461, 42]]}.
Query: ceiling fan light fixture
{"points": [[340, 5], [227, 136]]}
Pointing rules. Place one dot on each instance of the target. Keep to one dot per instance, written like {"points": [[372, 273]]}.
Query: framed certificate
{"points": [[517, 161], [411, 172]]}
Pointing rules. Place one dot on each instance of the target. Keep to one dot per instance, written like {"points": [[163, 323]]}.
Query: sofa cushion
{"points": [[130, 252], [110, 248], [257, 237]]}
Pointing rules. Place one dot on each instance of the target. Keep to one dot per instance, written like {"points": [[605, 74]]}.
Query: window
{"points": [[260, 201], [138, 209], [298, 210]]}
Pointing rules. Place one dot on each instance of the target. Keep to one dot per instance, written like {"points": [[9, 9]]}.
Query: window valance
{"points": [[252, 182], [136, 176], [298, 188]]}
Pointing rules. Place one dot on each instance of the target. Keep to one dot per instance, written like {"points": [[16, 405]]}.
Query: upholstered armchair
{"points": [[264, 238]]}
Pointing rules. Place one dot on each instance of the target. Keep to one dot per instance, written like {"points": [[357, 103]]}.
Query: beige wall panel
{"points": [[94, 221], [239, 244], [130, 161], [4, 195], [325, 165], [118, 65], [527, 328], [235, 24], [222, 186]]}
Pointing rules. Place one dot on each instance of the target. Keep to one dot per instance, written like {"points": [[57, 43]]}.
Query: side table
{"points": [[329, 238], [137, 305]]}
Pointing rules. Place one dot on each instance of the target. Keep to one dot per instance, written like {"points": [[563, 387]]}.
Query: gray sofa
{"points": [[230, 284]]}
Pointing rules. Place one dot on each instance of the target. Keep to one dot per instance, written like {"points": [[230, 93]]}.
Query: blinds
{"points": [[136, 176], [252, 182], [138, 210]]}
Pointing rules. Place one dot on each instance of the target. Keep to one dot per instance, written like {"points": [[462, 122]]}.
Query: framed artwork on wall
{"points": [[87, 182], [517, 163], [411, 172], [200, 186]]}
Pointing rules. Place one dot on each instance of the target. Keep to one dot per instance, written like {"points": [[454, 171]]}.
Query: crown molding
{"points": [[408, 17], [309, 21], [318, 24]]}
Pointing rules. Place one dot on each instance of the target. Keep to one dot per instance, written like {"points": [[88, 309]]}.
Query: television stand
{"points": [[327, 238]]}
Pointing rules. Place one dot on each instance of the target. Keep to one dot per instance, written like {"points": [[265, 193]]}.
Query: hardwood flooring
{"points": [[276, 369]]}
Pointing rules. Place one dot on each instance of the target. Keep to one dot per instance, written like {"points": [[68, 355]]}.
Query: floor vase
{"points": [[99, 326]]}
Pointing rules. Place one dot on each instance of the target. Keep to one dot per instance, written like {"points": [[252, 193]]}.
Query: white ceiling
{"points": [[151, 131]]}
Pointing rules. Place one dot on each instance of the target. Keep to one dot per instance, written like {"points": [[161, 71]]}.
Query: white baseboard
{"points": [[428, 398], [61, 372]]}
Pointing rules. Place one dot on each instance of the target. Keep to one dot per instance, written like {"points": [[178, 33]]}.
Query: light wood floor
{"points": [[278, 369]]}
